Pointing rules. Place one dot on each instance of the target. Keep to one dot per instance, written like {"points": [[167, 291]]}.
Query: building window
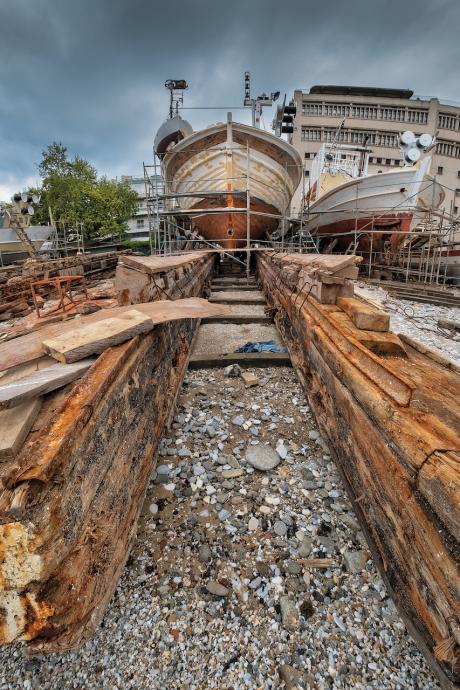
{"points": [[307, 173], [307, 155], [457, 192], [458, 173], [447, 121], [419, 117], [455, 210], [440, 170], [140, 222]]}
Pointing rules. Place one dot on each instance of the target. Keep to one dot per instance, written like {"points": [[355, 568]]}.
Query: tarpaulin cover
{"points": [[265, 346]]}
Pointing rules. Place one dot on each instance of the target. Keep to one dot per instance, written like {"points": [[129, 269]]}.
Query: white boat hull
{"points": [[396, 199]]}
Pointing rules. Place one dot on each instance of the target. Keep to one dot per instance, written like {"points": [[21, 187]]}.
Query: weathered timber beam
{"points": [[71, 498], [398, 458]]}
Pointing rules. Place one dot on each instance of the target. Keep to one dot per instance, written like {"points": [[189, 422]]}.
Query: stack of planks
{"points": [[390, 412]]}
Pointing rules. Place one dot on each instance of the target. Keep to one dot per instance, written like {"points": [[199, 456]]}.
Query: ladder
{"points": [[308, 243], [351, 249], [23, 236]]}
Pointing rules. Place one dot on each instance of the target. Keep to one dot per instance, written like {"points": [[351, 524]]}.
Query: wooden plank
{"points": [[15, 424], [378, 343], [364, 317], [29, 347], [95, 338], [159, 264], [41, 382]]}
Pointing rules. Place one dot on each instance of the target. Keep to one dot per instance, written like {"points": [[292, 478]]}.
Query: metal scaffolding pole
{"points": [[248, 215]]}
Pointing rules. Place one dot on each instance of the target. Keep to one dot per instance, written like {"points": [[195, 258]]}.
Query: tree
{"points": [[74, 194]]}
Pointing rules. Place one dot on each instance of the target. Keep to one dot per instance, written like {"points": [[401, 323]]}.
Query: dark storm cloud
{"points": [[90, 72]]}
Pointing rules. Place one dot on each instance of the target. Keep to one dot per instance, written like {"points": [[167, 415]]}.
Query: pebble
{"points": [[262, 458], [289, 612], [282, 451], [232, 474], [355, 561], [253, 524], [280, 528], [217, 589]]}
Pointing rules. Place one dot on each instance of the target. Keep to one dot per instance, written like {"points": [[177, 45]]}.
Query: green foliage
{"points": [[74, 194], [136, 244]]}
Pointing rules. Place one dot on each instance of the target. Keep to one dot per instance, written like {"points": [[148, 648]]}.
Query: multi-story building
{"points": [[139, 225], [378, 116]]}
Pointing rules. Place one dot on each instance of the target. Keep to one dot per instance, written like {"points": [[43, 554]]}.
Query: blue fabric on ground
{"points": [[265, 346]]}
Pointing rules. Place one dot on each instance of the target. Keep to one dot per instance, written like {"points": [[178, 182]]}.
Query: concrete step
{"points": [[237, 300], [233, 286], [244, 359], [238, 297], [235, 318]]}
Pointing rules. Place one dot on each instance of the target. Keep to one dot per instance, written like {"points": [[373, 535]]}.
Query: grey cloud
{"points": [[91, 73]]}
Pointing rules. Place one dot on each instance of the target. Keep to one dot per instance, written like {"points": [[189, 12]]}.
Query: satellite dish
{"points": [[24, 197], [424, 141], [412, 155], [30, 210], [36, 198], [408, 138]]}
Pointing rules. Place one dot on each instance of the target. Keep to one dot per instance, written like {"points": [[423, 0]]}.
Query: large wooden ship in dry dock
{"points": [[216, 172]]}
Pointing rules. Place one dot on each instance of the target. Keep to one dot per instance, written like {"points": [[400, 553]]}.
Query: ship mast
{"points": [[256, 104]]}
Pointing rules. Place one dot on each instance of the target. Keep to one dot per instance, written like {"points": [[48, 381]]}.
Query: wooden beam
{"points": [[15, 424], [95, 338], [363, 316], [41, 382]]}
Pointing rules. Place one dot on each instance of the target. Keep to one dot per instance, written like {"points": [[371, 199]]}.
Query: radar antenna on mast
{"points": [[176, 90]]}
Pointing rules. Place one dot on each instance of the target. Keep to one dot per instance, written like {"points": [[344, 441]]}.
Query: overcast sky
{"points": [[91, 73]]}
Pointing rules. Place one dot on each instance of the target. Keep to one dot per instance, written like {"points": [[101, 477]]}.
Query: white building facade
{"points": [[139, 224], [378, 116]]}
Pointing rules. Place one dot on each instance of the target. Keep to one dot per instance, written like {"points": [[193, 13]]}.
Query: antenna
{"points": [[176, 94], [256, 104]]}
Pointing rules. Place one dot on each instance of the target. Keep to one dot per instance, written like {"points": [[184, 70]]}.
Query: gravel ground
{"points": [[218, 591], [417, 320]]}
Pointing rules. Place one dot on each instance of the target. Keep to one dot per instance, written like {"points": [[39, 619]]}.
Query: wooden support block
{"points": [[364, 317], [329, 290], [41, 382], [15, 424], [95, 338], [378, 343]]}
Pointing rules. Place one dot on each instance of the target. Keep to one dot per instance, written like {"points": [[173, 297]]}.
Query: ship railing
{"points": [[339, 159]]}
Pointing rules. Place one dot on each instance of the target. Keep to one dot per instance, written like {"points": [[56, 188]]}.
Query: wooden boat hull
{"points": [[218, 160]]}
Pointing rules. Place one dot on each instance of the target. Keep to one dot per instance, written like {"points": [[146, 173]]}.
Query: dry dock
{"points": [[388, 416]]}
